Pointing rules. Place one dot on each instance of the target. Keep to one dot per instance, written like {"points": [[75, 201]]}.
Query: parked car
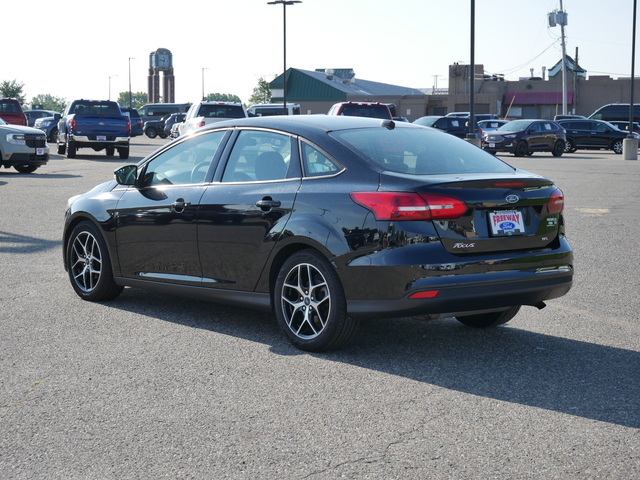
{"points": [[174, 120], [154, 128], [33, 115], [566, 117], [49, 125], [11, 112], [324, 220], [361, 109], [624, 126], [490, 125], [616, 111], [270, 109], [96, 124], [592, 134], [136, 120], [477, 116], [23, 148], [525, 137], [457, 126], [205, 113], [155, 111]]}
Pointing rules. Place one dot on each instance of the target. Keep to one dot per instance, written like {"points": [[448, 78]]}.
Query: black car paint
{"points": [[380, 263], [532, 135]]}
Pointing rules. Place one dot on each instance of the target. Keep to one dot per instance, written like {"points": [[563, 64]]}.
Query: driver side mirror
{"points": [[126, 175]]}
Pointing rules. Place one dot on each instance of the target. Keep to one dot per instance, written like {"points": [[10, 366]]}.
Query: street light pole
{"points": [[203, 69], [284, 23], [130, 58], [110, 85]]}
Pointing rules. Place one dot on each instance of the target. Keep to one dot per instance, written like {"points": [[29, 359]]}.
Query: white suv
{"points": [[205, 113]]}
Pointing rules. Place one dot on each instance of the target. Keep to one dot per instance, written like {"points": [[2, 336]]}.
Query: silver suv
{"points": [[23, 148], [205, 113]]}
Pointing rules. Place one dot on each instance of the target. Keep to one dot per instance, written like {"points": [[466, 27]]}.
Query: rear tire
{"points": [[110, 151], [71, 150], [89, 264], [310, 304], [487, 320], [53, 135], [123, 152], [61, 149], [151, 132], [558, 149]]}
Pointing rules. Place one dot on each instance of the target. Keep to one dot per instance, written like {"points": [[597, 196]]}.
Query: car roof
{"points": [[302, 123]]}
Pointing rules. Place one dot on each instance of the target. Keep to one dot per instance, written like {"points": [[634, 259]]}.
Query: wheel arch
{"points": [[103, 228]]}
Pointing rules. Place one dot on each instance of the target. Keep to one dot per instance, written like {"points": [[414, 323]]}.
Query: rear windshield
{"points": [[373, 111], [96, 108], [420, 151], [221, 111]]}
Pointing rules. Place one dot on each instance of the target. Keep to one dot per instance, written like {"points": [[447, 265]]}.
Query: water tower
{"points": [[161, 61]]}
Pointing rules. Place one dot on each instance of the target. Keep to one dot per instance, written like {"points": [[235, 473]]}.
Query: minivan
{"points": [[155, 111], [616, 111]]}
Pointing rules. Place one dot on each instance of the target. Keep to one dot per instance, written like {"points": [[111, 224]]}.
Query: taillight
{"points": [[201, 123], [556, 201], [72, 124], [410, 206], [128, 126]]}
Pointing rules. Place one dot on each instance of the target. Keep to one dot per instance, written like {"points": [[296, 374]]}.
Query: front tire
{"points": [[310, 304], [616, 146], [26, 168], [123, 153], [151, 132], [89, 264], [487, 320], [569, 146], [110, 151], [521, 149]]}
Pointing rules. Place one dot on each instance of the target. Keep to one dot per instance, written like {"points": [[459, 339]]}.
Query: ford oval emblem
{"points": [[512, 198]]}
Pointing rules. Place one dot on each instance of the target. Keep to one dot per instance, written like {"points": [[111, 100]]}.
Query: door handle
{"points": [[267, 204], [179, 205]]}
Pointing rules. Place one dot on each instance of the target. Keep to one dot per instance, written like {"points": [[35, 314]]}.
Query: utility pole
{"points": [[559, 17], [564, 60]]}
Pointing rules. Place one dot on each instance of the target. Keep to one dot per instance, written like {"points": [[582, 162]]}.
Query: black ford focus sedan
{"points": [[325, 221]]}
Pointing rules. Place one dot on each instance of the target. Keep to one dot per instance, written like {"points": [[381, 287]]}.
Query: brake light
{"points": [[410, 206], [556, 201], [425, 294], [72, 124], [128, 126], [201, 123]]}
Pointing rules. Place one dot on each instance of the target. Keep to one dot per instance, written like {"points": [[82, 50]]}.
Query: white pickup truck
{"points": [[205, 113]]}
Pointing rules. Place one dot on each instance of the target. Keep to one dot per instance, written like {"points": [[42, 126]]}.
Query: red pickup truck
{"points": [[11, 112]]}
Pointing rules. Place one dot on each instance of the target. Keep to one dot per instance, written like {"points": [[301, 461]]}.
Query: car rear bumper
{"points": [[464, 285]]}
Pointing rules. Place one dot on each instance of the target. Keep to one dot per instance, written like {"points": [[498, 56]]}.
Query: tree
{"points": [[261, 93], [138, 99], [12, 89], [46, 101], [222, 97]]}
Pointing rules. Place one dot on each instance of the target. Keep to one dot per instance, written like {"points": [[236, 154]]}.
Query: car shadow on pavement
{"points": [[506, 363], [15, 243]]}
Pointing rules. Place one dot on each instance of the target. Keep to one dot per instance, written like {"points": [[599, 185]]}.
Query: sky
{"points": [[86, 45]]}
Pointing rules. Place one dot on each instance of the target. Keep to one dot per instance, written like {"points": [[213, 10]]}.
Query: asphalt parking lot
{"points": [[151, 386]]}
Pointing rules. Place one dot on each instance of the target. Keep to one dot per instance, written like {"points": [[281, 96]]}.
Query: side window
{"points": [[258, 156], [316, 163], [185, 163]]}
